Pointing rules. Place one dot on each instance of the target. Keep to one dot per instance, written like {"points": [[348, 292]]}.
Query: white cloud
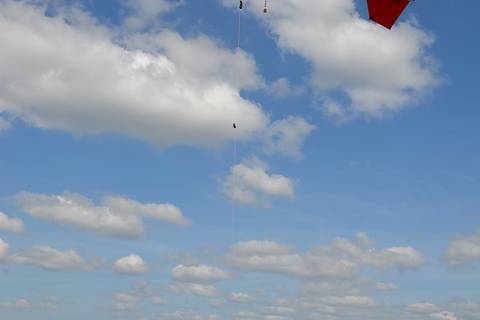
{"points": [[198, 273], [394, 257], [333, 110], [3, 249], [259, 248], [127, 301], [194, 289], [132, 264], [116, 217], [385, 286], [423, 307], [240, 297], [348, 301], [279, 310], [167, 212], [287, 136], [341, 258], [50, 259], [378, 70], [304, 266], [10, 224], [250, 183], [445, 315], [124, 301], [464, 309], [281, 88], [145, 12], [126, 297], [18, 304], [50, 303], [186, 315], [81, 80], [333, 298], [463, 250]]}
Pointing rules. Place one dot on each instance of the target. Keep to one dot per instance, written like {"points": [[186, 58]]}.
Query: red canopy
{"points": [[386, 12]]}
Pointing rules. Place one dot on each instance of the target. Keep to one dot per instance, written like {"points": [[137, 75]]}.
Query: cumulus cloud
{"points": [[186, 315], [423, 307], [68, 73], [124, 301], [282, 88], [250, 183], [145, 12], [194, 289], [50, 303], [279, 310], [445, 315], [464, 309], [167, 212], [18, 304], [378, 70], [348, 300], [463, 250], [240, 297], [117, 216], [256, 247], [386, 286], [287, 136], [3, 249], [198, 273], [10, 224], [331, 298], [51, 259], [127, 301], [341, 258], [132, 264], [394, 257]]}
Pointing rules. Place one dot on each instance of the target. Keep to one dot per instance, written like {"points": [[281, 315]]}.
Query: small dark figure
{"points": [[241, 5], [234, 126], [265, 10]]}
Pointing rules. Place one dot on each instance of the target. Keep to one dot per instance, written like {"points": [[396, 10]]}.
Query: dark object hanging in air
{"points": [[386, 12], [241, 5], [234, 125], [265, 9]]}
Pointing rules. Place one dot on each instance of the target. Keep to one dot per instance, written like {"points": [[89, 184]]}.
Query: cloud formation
{"points": [[18, 304], [240, 297], [463, 250], [250, 183], [145, 12], [3, 249], [444, 315], [197, 289], [69, 73], [117, 216], [51, 259], [198, 273], [132, 264], [10, 224], [377, 70], [339, 259], [287, 136]]}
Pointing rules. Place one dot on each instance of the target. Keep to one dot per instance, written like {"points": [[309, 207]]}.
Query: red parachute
{"points": [[386, 12]]}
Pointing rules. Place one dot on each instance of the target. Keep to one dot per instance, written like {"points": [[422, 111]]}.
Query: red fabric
{"points": [[386, 12]]}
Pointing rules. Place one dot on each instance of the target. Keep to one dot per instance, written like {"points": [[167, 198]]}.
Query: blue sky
{"points": [[349, 189]]}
